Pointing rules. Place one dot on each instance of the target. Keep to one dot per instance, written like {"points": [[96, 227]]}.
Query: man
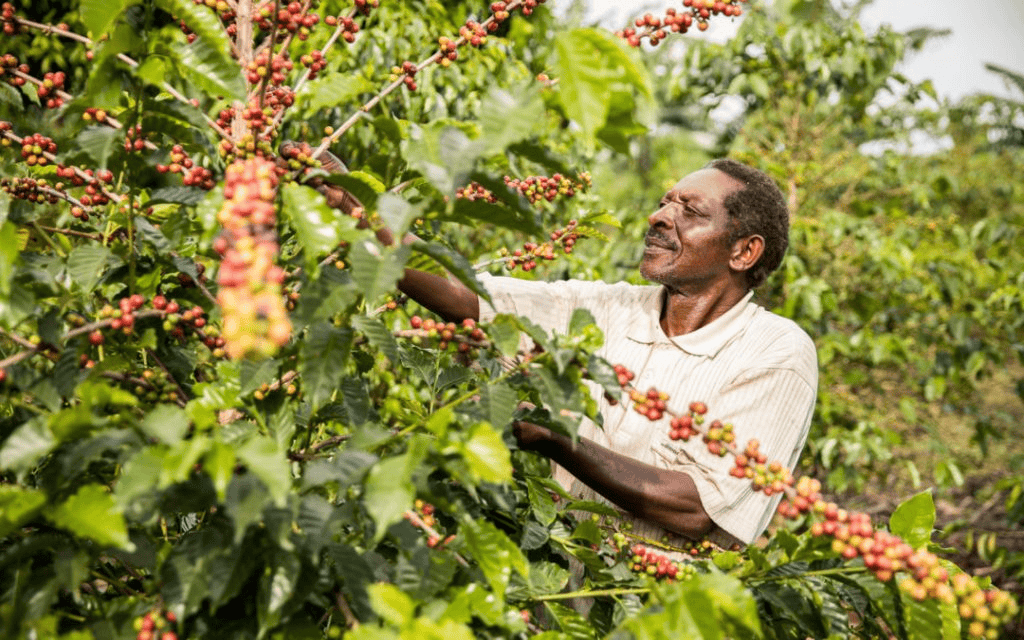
{"points": [[716, 235]]}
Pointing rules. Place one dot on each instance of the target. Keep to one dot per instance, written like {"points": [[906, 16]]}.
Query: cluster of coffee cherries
{"points": [[475, 191], [192, 175], [652, 404], [751, 463], [314, 61], [447, 51], [643, 559], [299, 155], [155, 625], [179, 322], [467, 336], [407, 72], [290, 18], [475, 33], [986, 611], [36, 149], [526, 258], [290, 388], [42, 191], [11, 26], [275, 69], [349, 27], [655, 29], [538, 188], [29, 189], [135, 139], [718, 435], [92, 113], [122, 318], [49, 89], [250, 294], [853, 535], [8, 65], [422, 517]]}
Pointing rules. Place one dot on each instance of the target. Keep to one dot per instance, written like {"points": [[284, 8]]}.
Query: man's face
{"points": [[687, 245]]}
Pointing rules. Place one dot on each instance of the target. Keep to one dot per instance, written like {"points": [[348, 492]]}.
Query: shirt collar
{"points": [[706, 341]]}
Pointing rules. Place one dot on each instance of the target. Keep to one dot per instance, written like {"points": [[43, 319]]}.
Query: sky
{"points": [[991, 31]]}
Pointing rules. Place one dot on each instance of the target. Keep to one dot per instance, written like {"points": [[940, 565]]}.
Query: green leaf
{"points": [[10, 96], [505, 214], [331, 91], [486, 455], [590, 66], [153, 236], [314, 222], [914, 520], [396, 213], [759, 86], [99, 143], [378, 335], [324, 354], [86, 264], [391, 603], [442, 152], [572, 623], [207, 61], [9, 246], [167, 423], [543, 505], [496, 555], [18, 506], [376, 270], [363, 186], [98, 15], [219, 464], [389, 490], [705, 606], [190, 196], [346, 468], [507, 117], [266, 461], [498, 402], [277, 585], [922, 619], [29, 442], [91, 513]]}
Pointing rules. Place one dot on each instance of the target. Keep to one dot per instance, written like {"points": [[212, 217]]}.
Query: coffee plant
{"points": [[220, 420]]}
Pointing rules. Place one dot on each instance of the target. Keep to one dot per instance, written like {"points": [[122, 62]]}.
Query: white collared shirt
{"points": [[754, 369]]}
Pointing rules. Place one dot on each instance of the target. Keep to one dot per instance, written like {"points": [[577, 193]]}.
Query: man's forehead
{"points": [[707, 183]]}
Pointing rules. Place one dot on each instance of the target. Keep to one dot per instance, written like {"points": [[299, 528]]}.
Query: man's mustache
{"points": [[658, 239]]}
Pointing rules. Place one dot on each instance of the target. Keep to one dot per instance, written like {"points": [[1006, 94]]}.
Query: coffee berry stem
{"points": [[390, 87], [338, 31], [174, 93], [50, 157], [853, 536], [417, 521], [55, 30]]}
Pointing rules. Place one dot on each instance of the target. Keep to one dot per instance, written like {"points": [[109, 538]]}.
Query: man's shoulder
{"points": [[780, 335]]}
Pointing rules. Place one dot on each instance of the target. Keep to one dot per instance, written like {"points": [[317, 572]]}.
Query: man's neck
{"points": [[682, 312]]}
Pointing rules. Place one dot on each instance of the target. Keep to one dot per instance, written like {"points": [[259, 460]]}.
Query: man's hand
{"points": [[667, 498], [529, 436]]}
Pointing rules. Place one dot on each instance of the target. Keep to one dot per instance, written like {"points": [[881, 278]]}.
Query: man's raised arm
{"points": [[446, 297]]}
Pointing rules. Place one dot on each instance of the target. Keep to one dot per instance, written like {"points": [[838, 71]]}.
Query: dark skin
{"points": [[687, 249]]}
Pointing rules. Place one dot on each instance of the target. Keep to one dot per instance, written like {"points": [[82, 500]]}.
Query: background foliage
{"points": [[314, 491]]}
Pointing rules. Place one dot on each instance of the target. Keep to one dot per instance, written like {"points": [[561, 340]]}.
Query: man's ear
{"points": [[746, 252]]}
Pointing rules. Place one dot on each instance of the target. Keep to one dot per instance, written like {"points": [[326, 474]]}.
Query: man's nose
{"points": [[660, 218]]}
